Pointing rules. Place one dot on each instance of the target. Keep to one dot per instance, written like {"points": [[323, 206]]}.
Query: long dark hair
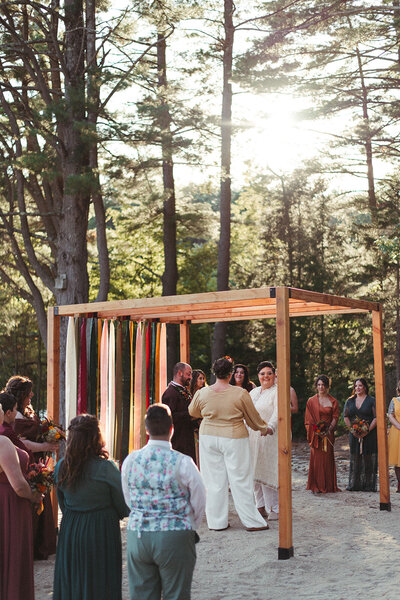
{"points": [[84, 442], [195, 376], [20, 387], [247, 385]]}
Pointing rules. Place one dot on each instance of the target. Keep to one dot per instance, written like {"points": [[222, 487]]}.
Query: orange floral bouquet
{"points": [[40, 478], [321, 430], [359, 427], [51, 432]]}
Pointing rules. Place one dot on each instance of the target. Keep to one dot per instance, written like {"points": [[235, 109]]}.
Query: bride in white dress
{"points": [[264, 450]]}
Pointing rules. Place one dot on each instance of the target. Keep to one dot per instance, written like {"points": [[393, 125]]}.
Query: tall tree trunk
{"points": [[72, 284], [93, 101], [368, 141], [170, 275], [218, 346]]}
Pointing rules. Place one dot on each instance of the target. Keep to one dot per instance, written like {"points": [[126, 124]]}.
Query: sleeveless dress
{"points": [[16, 540], [322, 470], [394, 434]]}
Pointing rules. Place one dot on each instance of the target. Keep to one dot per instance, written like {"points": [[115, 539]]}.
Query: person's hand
{"points": [[268, 432], [48, 447], [37, 497]]}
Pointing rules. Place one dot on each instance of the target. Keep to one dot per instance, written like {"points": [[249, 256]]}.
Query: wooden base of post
{"points": [[285, 553], [385, 506]]}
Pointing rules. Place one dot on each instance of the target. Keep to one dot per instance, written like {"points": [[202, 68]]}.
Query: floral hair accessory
{"points": [[229, 358]]}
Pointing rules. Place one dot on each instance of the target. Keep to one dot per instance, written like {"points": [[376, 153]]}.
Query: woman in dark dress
{"points": [[88, 559], [363, 456], [27, 427], [16, 540]]}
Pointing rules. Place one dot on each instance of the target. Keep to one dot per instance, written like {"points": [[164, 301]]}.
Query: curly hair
{"points": [[222, 368], [20, 387], [247, 385], [83, 443]]}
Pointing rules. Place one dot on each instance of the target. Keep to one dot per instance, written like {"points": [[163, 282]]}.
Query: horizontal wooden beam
{"points": [[330, 299], [238, 297], [233, 305]]}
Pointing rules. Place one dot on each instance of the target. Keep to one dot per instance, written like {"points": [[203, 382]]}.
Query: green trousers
{"points": [[161, 561]]}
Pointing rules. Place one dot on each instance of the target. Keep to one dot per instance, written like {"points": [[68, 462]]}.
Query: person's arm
{"points": [[273, 422], [179, 416], [9, 462], [391, 413], [346, 415], [191, 478], [113, 478], [294, 402], [39, 446], [252, 416], [194, 406], [373, 422], [335, 415], [309, 422], [394, 421], [124, 478]]}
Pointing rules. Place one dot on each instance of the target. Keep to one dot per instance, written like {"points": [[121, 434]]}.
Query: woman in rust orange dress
{"points": [[322, 413]]}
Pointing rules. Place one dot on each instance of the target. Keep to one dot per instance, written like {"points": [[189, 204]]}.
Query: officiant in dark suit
{"points": [[178, 398]]}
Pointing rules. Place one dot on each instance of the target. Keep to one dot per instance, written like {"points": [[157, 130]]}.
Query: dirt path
{"points": [[345, 548]]}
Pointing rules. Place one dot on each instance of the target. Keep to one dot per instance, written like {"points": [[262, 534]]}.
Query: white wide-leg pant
{"points": [[223, 462], [266, 496]]}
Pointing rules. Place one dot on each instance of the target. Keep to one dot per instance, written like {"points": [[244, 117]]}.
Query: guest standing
{"points": [[264, 450], [224, 449], [27, 427], [166, 496], [16, 539], [363, 457], [321, 407], [199, 381], [240, 377], [394, 435], [177, 397], [88, 559]]}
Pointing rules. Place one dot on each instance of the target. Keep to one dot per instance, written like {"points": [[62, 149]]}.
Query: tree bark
{"points": [[170, 275], [218, 346]]}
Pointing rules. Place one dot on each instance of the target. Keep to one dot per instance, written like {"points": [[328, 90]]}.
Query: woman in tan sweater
{"points": [[224, 449]]}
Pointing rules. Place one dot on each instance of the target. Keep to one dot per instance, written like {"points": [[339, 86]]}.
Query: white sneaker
{"points": [[273, 516]]}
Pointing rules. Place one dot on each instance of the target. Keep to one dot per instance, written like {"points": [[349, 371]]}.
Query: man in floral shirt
{"points": [[166, 498]]}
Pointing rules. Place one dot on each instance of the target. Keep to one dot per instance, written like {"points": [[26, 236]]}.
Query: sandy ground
{"points": [[345, 548]]}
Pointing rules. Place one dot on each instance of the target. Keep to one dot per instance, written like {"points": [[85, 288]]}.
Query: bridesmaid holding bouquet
{"points": [[322, 414]]}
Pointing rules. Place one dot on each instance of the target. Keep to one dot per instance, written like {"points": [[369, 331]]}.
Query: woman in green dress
{"points": [[88, 559]]}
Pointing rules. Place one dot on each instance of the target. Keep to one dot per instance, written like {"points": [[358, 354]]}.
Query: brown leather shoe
{"points": [[263, 512], [257, 528]]}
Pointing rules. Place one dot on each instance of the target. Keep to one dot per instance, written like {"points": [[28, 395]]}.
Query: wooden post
{"points": [[285, 549], [53, 381], [377, 332], [184, 341]]}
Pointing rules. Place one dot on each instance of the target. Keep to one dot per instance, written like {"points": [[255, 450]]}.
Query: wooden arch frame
{"points": [[280, 303]]}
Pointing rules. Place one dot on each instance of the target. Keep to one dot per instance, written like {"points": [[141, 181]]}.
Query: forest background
{"points": [[170, 147]]}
